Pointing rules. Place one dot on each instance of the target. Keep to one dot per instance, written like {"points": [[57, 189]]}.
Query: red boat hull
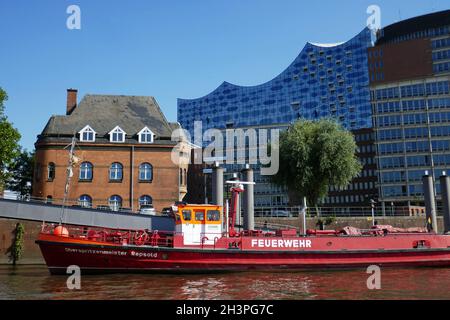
{"points": [[91, 257]]}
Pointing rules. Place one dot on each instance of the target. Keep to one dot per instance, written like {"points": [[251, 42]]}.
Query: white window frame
{"points": [[146, 130], [117, 130], [89, 129]]}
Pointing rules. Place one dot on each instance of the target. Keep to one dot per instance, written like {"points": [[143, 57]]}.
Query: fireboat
{"points": [[205, 239]]}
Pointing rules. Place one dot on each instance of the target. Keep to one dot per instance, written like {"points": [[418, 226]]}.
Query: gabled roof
{"points": [[146, 128], [105, 112], [86, 128], [115, 128]]}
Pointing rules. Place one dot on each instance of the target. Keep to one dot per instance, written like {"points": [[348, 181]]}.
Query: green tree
{"points": [[315, 155], [9, 139], [21, 173]]}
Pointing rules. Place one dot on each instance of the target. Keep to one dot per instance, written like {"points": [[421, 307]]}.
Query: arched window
{"points": [[145, 200], [115, 202], [116, 172], [85, 201], [51, 171], [86, 171], [145, 172]]}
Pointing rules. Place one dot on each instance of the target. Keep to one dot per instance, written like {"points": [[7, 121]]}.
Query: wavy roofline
{"points": [[308, 44]]}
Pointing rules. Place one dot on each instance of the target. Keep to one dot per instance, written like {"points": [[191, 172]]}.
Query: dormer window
{"points": [[146, 136], [117, 135], [87, 134]]}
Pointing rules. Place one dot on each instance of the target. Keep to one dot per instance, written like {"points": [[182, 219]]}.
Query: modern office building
{"points": [[324, 80], [123, 147], [409, 69]]}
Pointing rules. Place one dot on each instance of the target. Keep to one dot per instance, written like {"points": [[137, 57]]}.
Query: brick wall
{"points": [[31, 251], [401, 61], [164, 188]]}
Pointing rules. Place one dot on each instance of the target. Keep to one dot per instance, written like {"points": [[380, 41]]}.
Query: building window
{"points": [[185, 176], [86, 170], [146, 136], [87, 134], [85, 201], [117, 135], [51, 171], [116, 172], [37, 171], [145, 200], [115, 202], [181, 176], [145, 172]]}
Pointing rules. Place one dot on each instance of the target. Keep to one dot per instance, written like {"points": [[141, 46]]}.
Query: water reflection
{"points": [[34, 282]]}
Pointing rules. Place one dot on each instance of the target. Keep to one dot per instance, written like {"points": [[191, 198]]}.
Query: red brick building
{"points": [[124, 147]]}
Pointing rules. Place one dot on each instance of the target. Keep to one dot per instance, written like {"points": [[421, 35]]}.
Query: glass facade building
{"points": [[324, 80], [411, 106]]}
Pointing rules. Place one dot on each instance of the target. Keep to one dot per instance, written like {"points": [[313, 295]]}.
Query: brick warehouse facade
{"points": [[124, 147]]}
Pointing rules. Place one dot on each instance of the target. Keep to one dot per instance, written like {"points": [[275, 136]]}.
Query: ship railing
{"points": [[116, 236], [265, 226], [207, 237]]}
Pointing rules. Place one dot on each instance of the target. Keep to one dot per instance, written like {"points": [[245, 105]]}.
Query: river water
{"points": [[34, 282]]}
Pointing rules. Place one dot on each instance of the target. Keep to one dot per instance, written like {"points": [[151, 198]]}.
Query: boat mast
{"points": [[69, 173]]}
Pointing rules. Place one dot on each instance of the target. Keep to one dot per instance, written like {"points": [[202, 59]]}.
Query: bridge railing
{"points": [[73, 203], [351, 211]]}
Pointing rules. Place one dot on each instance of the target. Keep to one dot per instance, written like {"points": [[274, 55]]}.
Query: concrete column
{"points": [[445, 193], [249, 203], [217, 185], [430, 202]]}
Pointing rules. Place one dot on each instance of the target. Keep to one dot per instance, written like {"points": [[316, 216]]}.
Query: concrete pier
{"points": [[217, 185], [249, 207], [430, 202], [445, 192]]}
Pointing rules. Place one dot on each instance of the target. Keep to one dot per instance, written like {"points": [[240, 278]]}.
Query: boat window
{"points": [[199, 216], [213, 215], [178, 217], [186, 215]]}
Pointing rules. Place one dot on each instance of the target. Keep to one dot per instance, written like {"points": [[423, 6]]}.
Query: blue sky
{"points": [[168, 49]]}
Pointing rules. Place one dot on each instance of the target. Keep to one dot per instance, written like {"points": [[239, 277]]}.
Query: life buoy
{"points": [[140, 237]]}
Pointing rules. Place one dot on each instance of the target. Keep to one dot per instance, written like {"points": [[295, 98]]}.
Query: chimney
{"points": [[71, 100]]}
